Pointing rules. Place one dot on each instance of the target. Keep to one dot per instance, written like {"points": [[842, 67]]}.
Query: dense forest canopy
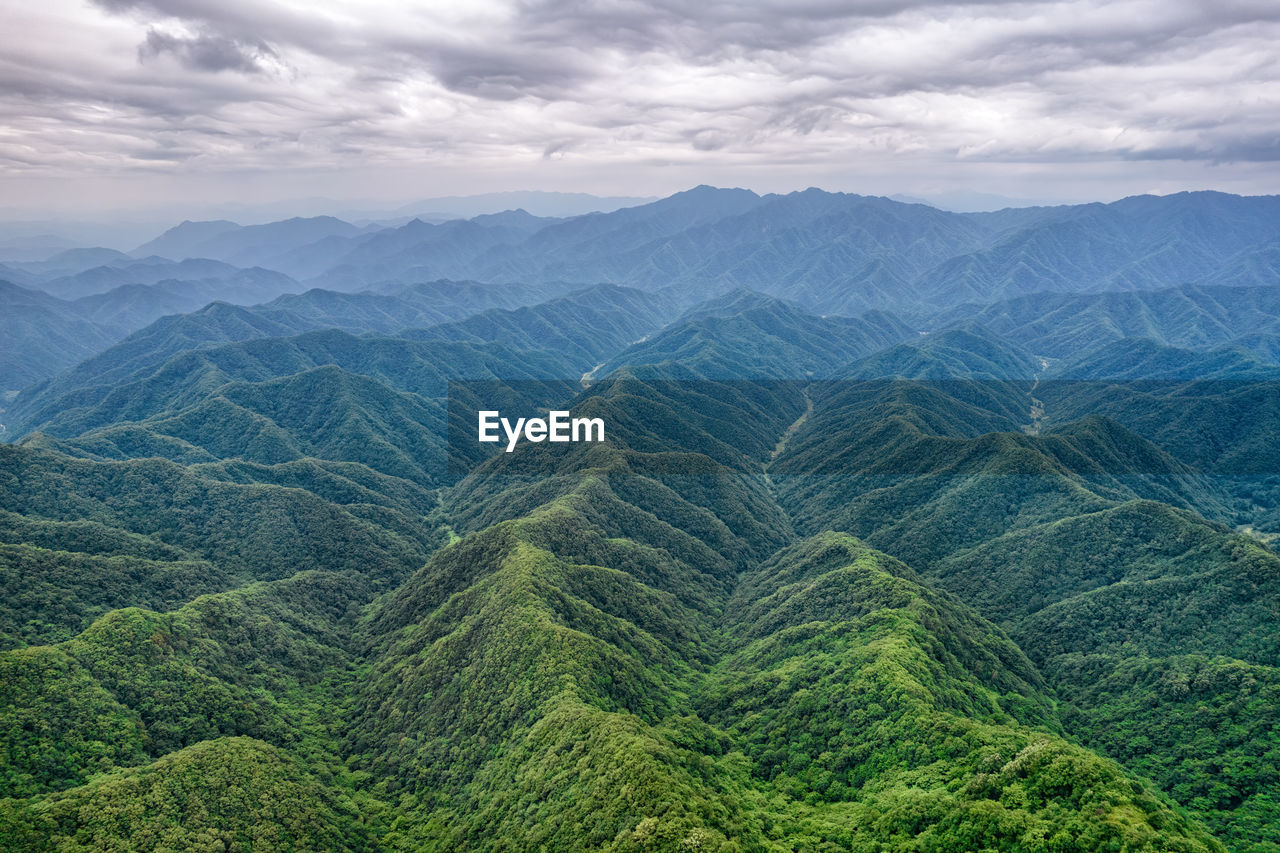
{"points": [[913, 530]]}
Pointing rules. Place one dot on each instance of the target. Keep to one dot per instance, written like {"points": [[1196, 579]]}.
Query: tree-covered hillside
{"points": [[989, 569]]}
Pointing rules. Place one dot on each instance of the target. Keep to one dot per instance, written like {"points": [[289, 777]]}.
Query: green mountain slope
{"points": [[1143, 360], [326, 414], [626, 649], [232, 794], [1224, 426], [920, 473], [75, 548], [748, 335], [911, 605], [1159, 629], [146, 350], [906, 717], [1192, 317], [545, 659], [584, 327], [423, 368], [42, 335]]}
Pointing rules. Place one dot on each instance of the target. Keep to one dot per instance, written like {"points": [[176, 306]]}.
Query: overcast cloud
{"points": [[137, 102]]}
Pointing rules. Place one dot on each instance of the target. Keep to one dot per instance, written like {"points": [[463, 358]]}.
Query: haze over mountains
{"points": [[828, 253], [913, 530]]}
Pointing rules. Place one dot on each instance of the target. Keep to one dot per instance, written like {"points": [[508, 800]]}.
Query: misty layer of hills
{"points": [[913, 530], [829, 253]]}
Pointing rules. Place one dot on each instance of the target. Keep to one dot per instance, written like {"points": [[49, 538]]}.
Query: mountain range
{"points": [[911, 530]]}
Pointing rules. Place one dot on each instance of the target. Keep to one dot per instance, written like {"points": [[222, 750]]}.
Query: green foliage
{"points": [[1076, 325], [584, 327], [758, 337], [1131, 612], [47, 596], [1144, 361], [250, 531], [59, 725], [262, 644], [226, 794], [907, 472], [1224, 426], [137, 683], [968, 351], [1204, 728], [518, 689], [76, 404], [325, 414]]}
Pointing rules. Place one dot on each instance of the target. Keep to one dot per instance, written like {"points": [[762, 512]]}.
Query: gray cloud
{"points": [[540, 91], [207, 52]]}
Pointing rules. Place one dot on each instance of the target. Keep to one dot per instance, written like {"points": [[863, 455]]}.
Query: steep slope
{"points": [[668, 640], [582, 669], [42, 335], [1138, 243], [418, 251], [235, 793], [132, 306], [921, 471], [64, 514], [181, 241], [424, 368], [1192, 317], [1223, 426], [325, 413], [145, 350], [418, 305], [831, 252], [856, 686], [46, 334], [748, 335], [584, 327], [827, 251], [102, 279], [138, 355], [243, 245], [1142, 360], [1159, 628], [544, 663], [70, 262], [968, 351], [215, 723], [1118, 600]]}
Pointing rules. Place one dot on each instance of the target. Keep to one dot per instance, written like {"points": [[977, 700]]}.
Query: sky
{"points": [[110, 106]]}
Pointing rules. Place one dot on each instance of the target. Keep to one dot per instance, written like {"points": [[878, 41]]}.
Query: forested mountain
{"points": [[423, 368], [910, 530], [42, 334], [418, 305], [830, 252], [600, 312], [1145, 361], [45, 334], [71, 261], [965, 351], [1139, 243], [749, 335], [182, 240], [149, 270], [583, 327], [1060, 325]]}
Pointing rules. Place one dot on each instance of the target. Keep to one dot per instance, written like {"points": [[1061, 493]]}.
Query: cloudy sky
{"points": [[145, 102]]}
